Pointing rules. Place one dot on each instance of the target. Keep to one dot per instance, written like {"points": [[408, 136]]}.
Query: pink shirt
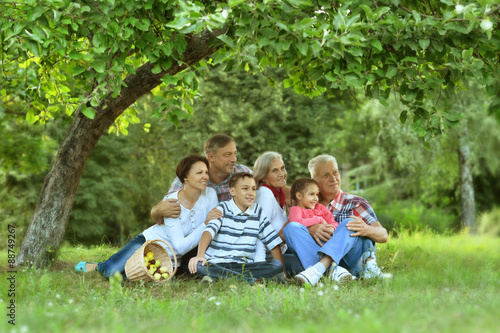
{"points": [[309, 217]]}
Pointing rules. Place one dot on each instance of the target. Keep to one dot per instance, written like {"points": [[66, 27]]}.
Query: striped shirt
{"points": [[222, 189], [235, 234], [345, 205]]}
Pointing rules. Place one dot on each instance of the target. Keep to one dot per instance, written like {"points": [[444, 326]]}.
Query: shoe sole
{"points": [[302, 280], [344, 279]]}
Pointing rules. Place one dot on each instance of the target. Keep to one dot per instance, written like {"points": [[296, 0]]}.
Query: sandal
{"points": [[80, 267]]}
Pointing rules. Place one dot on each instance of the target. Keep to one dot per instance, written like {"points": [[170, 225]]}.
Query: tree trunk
{"points": [[50, 220], [467, 201]]}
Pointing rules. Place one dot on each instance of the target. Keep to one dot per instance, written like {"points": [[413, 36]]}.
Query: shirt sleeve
{"points": [[213, 226], [180, 243], [365, 211], [267, 234], [295, 215]]}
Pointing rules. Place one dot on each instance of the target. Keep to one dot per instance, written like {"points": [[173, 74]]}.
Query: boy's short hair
{"points": [[217, 141], [237, 176], [186, 163]]}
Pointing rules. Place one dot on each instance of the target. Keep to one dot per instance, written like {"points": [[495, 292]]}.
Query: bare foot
{"points": [[89, 267]]}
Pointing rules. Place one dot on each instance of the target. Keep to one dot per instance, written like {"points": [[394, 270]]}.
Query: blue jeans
{"points": [[116, 263], [348, 252], [249, 271]]}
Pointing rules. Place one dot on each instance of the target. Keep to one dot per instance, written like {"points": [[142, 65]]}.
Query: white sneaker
{"points": [[371, 270], [341, 275], [310, 276]]}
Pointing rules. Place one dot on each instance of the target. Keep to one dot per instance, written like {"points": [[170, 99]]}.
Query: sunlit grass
{"points": [[440, 284]]}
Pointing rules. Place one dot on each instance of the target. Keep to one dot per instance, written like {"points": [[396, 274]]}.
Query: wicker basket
{"points": [[135, 268]]}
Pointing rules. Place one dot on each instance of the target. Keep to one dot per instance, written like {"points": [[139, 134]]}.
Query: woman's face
{"points": [[197, 177], [276, 177]]}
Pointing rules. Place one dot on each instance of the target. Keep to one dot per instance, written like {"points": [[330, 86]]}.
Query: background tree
{"points": [[119, 51]]}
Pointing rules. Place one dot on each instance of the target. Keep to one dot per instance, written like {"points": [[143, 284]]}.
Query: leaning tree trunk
{"points": [[50, 220], [467, 200]]}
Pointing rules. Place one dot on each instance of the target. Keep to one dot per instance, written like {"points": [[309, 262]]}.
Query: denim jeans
{"points": [[249, 271], [348, 252], [116, 263]]}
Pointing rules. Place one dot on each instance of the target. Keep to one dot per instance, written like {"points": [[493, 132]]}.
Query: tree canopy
{"points": [[92, 60]]}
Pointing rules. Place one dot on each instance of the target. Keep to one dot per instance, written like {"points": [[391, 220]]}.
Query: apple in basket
{"points": [[150, 256], [163, 269], [157, 276], [165, 275]]}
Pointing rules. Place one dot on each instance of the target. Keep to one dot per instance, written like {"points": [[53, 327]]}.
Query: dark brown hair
{"points": [[300, 185], [237, 176], [186, 164]]}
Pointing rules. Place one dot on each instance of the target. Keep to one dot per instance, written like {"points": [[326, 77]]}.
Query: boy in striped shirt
{"points": [[228, 243]]}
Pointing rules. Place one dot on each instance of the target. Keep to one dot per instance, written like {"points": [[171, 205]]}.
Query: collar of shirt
{"points": [[251, 211], [332, 203]]}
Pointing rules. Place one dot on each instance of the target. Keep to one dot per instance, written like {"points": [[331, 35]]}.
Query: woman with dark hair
{"points": [[182, 233]]}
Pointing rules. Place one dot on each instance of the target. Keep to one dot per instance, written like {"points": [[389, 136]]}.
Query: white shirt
{"points": [[275, 214], [184, 233]]}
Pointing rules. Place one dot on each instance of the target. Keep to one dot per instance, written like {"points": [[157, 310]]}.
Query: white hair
{"points": [[320, 159], [263, 165]]}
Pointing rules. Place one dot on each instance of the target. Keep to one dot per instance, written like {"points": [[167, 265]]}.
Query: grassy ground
{"points": [[440, 284]]}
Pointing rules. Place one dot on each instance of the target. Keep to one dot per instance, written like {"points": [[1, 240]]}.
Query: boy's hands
{"points": [[193, 263]]}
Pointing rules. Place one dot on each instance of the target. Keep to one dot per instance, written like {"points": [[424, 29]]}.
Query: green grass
{"points": [[440, 284]]}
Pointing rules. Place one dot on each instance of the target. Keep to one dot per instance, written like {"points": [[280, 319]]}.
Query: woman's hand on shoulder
{"points": [[213, 215]]}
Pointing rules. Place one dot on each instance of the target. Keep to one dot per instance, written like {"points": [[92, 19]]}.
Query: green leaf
{"points": [[88, 112], [35, 13], [99, 66], [424, 43], [234, 3], [403, 116], [168, 79], [391, 72], [376, 44], [227, 40], [77, 70], [303, 47]]}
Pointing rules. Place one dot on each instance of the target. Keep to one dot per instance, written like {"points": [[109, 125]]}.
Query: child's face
{"points": [[309, 197], [243, 193]]}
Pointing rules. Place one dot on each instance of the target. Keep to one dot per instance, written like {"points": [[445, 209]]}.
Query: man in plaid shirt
{"points": [[349, 250], [220, 151]]}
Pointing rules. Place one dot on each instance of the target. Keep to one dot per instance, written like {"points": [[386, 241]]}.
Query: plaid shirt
{"points": [[345, 205], [222, 189]]}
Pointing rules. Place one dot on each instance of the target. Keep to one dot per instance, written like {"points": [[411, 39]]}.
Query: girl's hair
{"points": [[299, 186], [186, 163]]}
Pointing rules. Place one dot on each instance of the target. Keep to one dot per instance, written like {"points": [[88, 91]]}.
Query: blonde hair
{"points": [[263, 165]]}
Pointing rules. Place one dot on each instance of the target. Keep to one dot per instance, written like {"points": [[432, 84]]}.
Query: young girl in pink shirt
{"points": [[307, 211]]}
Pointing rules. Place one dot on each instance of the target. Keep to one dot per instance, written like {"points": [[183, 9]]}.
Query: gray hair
{"points": [[263, 165], [320, 159]]}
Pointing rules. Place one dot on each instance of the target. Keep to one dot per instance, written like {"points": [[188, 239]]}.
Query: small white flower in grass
{"points": [[58, 296], [486, 24], [320, 293], [24, 329], [50, 304], [459, 9], [217, 303], [302, 290], [211, 298], [446, 289], [321, 285], [335, 287], [70, 301], [356, 315]]}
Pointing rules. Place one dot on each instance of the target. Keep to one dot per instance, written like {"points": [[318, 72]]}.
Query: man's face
{"points": [[223, 159], [328, 178], [244, 192]]}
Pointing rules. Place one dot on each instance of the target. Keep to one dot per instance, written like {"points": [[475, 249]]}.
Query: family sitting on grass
{"points": [[224, 220]]}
